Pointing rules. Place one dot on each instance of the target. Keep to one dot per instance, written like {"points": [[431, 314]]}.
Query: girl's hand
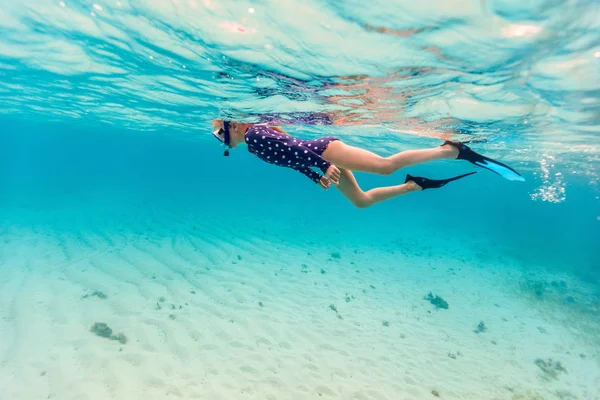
{"points": [[333, 173], [324, 182]]}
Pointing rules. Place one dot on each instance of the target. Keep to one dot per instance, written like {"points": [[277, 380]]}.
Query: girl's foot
{"points": [[451, 149], [412, 185]]}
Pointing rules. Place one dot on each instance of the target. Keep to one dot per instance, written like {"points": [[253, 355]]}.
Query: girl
{"points": [[337, 160]]}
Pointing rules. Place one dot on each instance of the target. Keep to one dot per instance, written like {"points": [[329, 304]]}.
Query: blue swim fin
{"points": [[465, 153]]}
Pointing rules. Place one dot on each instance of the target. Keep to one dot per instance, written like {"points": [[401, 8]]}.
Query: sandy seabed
{"points": [[215, 314]]}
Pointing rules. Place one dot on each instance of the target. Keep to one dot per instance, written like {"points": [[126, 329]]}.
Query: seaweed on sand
{"points": [[551, 369], [437, 301], [334, 308], [103, 330], [97, 294], [480, 328]]}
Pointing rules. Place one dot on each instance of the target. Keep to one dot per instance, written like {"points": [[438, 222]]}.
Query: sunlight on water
{"points": [[501, 70]]}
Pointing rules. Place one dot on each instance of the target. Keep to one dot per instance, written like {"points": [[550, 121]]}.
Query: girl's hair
{"points": [[275, 128], [278, 129]]}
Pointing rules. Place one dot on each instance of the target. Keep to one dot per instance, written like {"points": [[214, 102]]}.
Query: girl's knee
{"points": [[385, 166], [362, 202]]}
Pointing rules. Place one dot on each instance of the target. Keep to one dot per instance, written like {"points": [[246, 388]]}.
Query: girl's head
{"points": [[229, 133], [232, 133]]}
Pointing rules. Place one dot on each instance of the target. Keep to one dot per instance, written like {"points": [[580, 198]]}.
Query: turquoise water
{"points": [[232, 278]]}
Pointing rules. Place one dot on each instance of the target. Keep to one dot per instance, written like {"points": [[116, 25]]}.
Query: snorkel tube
{"points": [[227, 138]]}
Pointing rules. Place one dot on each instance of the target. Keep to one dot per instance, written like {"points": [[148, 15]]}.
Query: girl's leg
{"points": [[356, 159], [350, 189]]}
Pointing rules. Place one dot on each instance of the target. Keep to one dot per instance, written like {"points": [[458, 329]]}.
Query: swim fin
{"points": [[465, 153], [426, 183]]}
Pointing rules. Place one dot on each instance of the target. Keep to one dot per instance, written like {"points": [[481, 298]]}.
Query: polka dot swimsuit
{"points": [[286, 151]]}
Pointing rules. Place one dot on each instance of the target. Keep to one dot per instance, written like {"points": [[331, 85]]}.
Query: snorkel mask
{"points": [[226, 137]]}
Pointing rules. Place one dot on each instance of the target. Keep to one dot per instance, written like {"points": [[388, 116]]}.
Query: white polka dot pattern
{"points": [[306, 154]]}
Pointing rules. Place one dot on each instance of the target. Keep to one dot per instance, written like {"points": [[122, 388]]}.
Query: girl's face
{"points": [[219, 130]]}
